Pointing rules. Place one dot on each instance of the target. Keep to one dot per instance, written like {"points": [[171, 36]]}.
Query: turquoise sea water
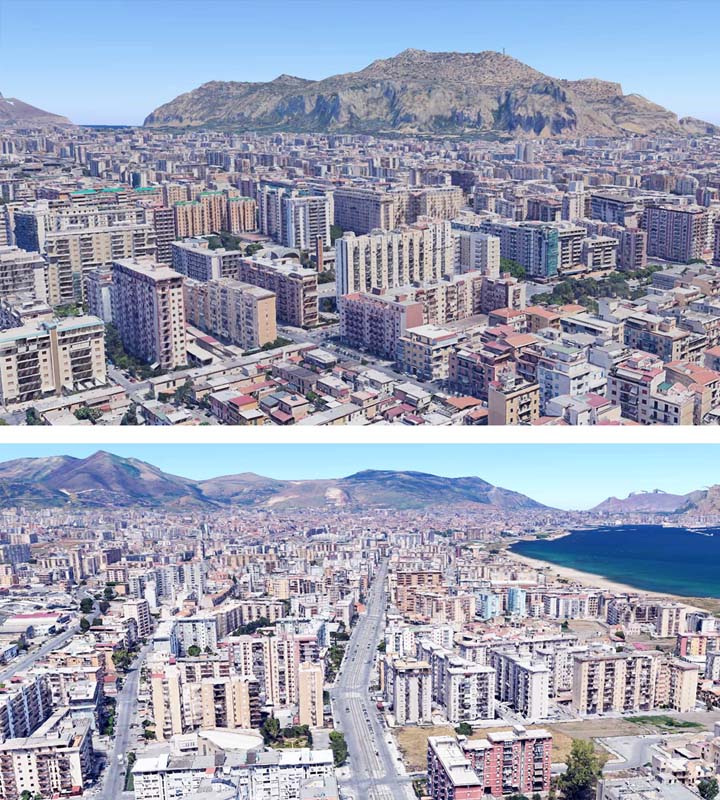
{"points": [[673, 560]]}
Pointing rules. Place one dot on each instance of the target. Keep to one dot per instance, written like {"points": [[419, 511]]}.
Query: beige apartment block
{"points": [[51, 357], [149, 312], [237, 312], [310, 694], [513, 401], [422, 253], [79, 239]]}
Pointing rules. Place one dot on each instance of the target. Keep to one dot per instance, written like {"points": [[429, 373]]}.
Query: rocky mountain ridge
{"points": [[417, 91]]}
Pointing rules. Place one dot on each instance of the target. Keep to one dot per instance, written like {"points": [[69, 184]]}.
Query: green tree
{"points": [[97, 622], [32, 417], [103, 605], [93, 414], [270, 730], [130, 416], [108, 593], [578, 782], [193, 651], [335, 232], [86, 605], [515, 269], [708, 788], [339, 749], [84, 624], [463, 729]]}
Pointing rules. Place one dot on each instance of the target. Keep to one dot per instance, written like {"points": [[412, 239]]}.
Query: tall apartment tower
{"points": [[148, 310], [676, 233], [310, 694]]}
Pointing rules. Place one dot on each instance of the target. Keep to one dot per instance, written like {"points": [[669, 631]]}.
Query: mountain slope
{"points": [[16, 113], [108, 481], [644, 502], [422, 92]]}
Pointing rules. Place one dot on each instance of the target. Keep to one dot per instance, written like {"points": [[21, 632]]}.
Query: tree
{"points": [[108, 593], [515, 269], [463, 729], [130, 416], [93, 414], [338, 747], [103, 605], [270, 730], [32, 417], [578, 782], [708, 788], [86, 605], [97, 622], [193, 651], [84, 624], [335, 232]]}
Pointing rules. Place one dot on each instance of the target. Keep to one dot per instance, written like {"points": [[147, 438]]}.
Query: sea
{"points": [[657, 558]]}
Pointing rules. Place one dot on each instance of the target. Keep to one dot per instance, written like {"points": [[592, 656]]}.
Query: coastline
{"points": [[593, 581]]}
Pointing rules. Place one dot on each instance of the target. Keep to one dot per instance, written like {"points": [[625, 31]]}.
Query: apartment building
{"points": [[639, 386], [614, 208], [623, 682], [533, 245], [189, 219], [236, 312], [361, 210], [51, 357], [599, 252], [564, 370], [521, 684], [148, 310], [22, 272], [508, 763], [376, 323], [310, 694], [98, 293], [657, 335], [241, 214], [55, 760], [252, 773], [425, 352], [24, 707], [468, 691], [450, 775], [476, 251], [676, 233], [306, 219], [194, 259], [78, 239], [502, 292], [411, 691], [294, 287], [513, 400], [421, 253], [138, 609]]}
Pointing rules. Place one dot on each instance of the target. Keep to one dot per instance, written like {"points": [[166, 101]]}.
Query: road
{"points": [[125, 709], [135, 390], [25, 662], [375, 772]]}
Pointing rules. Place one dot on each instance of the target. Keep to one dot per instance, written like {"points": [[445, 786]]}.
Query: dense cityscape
{"points": [[296, 646], [189, 277]]}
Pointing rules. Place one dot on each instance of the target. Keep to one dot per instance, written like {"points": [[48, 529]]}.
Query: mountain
{"points": [[644, 502], [105, 480], [422, 92], [16, 113]]}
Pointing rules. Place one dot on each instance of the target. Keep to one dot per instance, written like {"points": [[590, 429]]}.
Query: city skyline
{"points": [[132, 75], [549, 472]]}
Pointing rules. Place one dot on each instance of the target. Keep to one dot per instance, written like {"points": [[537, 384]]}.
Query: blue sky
{"points": [[114, 61], [564, 476]]}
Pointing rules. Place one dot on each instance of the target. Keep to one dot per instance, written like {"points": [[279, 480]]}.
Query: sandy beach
{"points": [[591, 580]]}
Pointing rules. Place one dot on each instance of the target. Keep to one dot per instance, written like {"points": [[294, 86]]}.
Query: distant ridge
{"points": [[16, 113], [104, 480], [418, 91]]}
